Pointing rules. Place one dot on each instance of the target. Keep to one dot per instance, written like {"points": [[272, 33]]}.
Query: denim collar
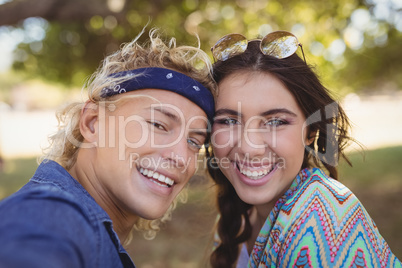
{"points": [[50, 172]]}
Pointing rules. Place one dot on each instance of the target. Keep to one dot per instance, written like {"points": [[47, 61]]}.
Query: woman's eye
{"points": [[227, 121], [276, 122]]}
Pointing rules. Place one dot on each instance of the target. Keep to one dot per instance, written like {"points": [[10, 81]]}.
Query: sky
{"points": [[32, 30]]}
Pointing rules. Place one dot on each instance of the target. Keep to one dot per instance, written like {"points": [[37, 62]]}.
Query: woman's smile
{"points": [[253, 177]]}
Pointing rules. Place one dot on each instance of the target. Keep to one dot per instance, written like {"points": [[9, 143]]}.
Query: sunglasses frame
{"points": [[273, 35]]}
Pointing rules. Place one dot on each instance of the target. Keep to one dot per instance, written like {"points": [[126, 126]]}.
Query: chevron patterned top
{"points": [[319, 222]]}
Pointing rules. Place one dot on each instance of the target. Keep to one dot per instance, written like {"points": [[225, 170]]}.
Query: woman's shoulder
{"points": [[319, 177], [324, 216], [315, 185]]}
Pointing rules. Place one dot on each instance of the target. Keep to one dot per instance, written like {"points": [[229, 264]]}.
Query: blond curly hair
{"points": [[191, 61]]}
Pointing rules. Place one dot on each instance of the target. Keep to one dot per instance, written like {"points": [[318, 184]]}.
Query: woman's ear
{"points": [[311, 137], [89, 122]]}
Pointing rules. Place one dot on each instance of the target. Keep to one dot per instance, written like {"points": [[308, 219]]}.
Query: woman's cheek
{"points": [[222, 141]]}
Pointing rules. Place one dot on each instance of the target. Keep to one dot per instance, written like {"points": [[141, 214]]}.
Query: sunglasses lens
{"points": [[229, 46], [279, 44]]}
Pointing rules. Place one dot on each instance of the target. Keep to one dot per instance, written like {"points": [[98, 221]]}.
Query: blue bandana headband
{"points": [[161, 78]]}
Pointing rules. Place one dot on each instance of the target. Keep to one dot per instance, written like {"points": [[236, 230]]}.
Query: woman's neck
{"points": [[258, 216]]}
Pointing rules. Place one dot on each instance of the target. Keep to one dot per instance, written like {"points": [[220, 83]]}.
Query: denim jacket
{"points": [[52, 221]]}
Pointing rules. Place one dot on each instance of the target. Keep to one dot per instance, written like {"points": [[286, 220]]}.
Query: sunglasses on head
{"points": [[279, 44]]}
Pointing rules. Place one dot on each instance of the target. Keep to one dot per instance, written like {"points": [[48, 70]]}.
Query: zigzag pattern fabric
{"points": [[320, 223]]}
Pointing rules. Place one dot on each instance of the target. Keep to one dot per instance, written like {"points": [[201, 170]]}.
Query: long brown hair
{"points": [[327, 124]]}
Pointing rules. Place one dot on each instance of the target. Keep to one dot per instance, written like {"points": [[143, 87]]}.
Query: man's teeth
{"points": [[255, 174], [156, 175]]}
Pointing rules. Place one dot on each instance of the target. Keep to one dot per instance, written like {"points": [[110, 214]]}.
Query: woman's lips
{"points": [[255, 176]]}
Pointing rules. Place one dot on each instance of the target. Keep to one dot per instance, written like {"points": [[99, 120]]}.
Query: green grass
{"points": [[375, 178], [15, 173], [373, 168]]}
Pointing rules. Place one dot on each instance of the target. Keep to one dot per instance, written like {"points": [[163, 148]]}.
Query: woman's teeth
{"points": [[253, 174], [155, 175]]}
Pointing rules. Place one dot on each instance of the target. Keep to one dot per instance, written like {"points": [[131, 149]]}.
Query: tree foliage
{"points": [[354, 43]]}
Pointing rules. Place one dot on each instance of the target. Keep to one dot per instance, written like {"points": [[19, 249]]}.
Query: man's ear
{"points": [[89, 122]]}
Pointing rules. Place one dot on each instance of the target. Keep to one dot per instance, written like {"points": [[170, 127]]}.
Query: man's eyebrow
{"points": [[278, 111], [165, 112], [227, 112]]}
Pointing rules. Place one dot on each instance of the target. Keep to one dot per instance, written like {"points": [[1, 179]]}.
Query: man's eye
{"points": [[194, 144], [157, 125]]}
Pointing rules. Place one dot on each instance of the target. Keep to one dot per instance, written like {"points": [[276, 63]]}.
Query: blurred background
{"points": [[49, 47]]}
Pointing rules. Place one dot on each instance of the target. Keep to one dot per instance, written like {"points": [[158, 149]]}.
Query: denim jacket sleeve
{"points": [[41, 228]]}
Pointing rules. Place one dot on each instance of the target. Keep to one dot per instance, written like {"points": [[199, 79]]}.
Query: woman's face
{"points": [[147, 151], [258, 136]]}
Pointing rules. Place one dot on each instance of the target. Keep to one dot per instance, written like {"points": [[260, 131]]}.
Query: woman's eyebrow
{"points": [[278, 111], [227, 112], [266, 113]]}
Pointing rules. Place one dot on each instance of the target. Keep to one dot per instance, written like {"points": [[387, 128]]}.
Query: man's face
{"points": [[147, 150]]}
